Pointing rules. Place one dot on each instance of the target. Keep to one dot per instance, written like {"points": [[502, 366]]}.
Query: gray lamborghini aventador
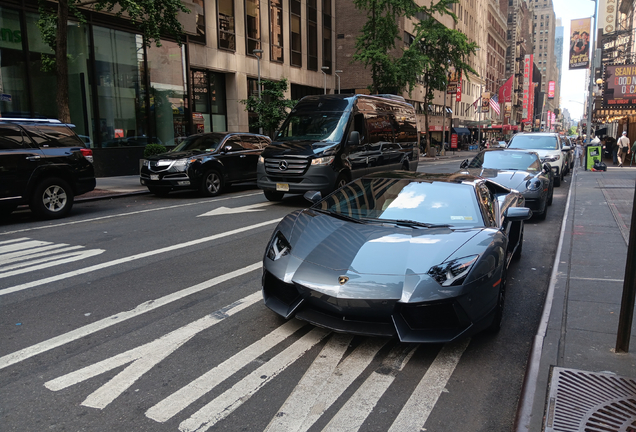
{"points": [[418, 256]]}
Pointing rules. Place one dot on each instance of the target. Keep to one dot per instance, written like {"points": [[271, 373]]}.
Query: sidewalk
{"points": [[574, 380]]}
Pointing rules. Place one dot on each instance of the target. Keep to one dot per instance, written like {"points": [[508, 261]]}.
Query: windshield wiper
{"points": [[339, 215], [412, 223]]}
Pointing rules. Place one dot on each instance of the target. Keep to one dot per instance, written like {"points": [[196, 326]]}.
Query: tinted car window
{"points": [[233, 145], [263, 142], [314, 126], [53, 136], [506, 160], [425, 202], [539, 142], [11, 138], [208, 143], [250, 142]]}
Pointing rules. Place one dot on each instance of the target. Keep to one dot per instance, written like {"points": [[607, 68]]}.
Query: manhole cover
{"points": [[590, 402]]}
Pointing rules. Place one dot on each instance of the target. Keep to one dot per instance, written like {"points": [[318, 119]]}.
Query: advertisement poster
{"points": [[619, 86], [508, 110], [551, 85], [454, 81], [528, 89], [485, 102], [580, 43]]}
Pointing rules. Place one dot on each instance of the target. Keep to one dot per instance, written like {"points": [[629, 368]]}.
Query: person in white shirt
{"points": [[623, 148]]}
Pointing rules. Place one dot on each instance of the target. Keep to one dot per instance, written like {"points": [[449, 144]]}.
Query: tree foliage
{"points": [[153, 18], [436, 49], [272, 107]]}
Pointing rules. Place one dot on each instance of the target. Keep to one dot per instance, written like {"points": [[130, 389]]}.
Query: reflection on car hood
{"points": [[297, 148], [373, 248], [513, 179], [177, 155]]}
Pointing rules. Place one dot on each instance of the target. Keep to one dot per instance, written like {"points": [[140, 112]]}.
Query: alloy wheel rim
{"points": [[54, 198], [213, 182]]}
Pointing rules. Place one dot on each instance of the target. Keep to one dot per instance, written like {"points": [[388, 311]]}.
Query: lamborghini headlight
{"points": [[453, 272], [278, 247]]}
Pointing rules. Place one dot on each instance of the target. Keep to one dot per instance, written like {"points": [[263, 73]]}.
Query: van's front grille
{"points": [[286, 165]]}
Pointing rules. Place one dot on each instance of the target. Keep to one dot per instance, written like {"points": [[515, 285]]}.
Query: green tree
{"points": [[572, 130], [152, 17], [441, 50], [272, 107]]}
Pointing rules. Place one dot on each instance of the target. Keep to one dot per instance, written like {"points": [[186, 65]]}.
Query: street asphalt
{"points": [[578, 330]]}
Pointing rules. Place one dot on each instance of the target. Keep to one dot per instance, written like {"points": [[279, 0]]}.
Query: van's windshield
{"points": [[313, 126]]}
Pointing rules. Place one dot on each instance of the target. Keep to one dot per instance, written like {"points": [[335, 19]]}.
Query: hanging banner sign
{"points": [[528, 89], [580, 43], [607, 15], [458, 95], [453, 82], [551, 85], [485, 102]]}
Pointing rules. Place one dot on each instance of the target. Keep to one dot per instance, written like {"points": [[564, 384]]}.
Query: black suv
{"points": [[44, 164], [205, 162]]}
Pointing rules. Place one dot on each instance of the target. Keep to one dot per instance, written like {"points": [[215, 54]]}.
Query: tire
{"points": [[541, 216], [341, 181], [52, 199], [159, 191], [495, 326], [557, 180], [212, 183], [273, 195]]}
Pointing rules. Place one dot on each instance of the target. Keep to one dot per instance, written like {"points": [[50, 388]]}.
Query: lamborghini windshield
{"points": [[402, 201]]}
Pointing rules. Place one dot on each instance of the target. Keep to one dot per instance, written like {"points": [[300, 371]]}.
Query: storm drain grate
{"points": [[582, 401]]}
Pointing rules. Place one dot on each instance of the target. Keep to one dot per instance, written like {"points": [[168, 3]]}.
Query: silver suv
{"points": [[550, 147]]}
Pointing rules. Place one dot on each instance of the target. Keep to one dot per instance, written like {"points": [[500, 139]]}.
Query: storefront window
{"points": [[120, 88], [14, 97], [167, 100], [208, 95]]}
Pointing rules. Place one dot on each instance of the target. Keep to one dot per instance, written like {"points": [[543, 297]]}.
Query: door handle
{"points": [[33, 158]]}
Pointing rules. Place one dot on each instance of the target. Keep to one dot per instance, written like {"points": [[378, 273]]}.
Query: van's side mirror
{"points": [[313, 196], [464, 164], [354, 138]]}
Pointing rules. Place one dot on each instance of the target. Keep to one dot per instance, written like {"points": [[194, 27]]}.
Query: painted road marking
{"points": [[244, 209], [133, 258], [234, 397], [295, 415], [416, 410], [38, 252], [39, 348], [356, 410], [178, 206], [182, 398], [143, 358]]}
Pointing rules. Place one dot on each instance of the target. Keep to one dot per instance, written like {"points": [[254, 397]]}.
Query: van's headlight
{"points": [[278, 247], [323, 160], [261, 159]]}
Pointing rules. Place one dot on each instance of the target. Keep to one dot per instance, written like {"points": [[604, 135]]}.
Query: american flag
{"points": [[477, 104], [494, 104]]}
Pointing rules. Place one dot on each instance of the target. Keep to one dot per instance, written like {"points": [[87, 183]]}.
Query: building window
{"points": [[199, 12], [295, 34], [227, 29], [276, 30], [312, 35], [326, 35], [13, 66], [253, 25]]}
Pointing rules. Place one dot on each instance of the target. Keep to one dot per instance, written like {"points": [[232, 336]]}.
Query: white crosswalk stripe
{"points": [[353, 413], [25, 255]]}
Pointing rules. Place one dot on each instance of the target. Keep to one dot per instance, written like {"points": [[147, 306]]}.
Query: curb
{"points": [[525, 406], [110, 196]]}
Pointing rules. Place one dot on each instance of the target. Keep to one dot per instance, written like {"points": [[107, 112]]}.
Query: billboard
{"points": [[619, 86], [485, 102], [528, 89], [551, 85], [580, 43]]}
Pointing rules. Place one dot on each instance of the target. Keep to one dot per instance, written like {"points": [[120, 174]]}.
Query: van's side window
{"points": [[359, 125], [380, 128]]}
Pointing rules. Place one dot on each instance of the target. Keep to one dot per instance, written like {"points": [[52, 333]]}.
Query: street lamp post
{"points": [[338, 72], [589, 96], [323, 69], [258, 53]]}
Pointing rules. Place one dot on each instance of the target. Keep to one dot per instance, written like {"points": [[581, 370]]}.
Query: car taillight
{"points": [[88, 154]]}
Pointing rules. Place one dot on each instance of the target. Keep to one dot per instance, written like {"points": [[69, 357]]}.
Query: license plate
{"points": [[283, 187], [154, 176]]}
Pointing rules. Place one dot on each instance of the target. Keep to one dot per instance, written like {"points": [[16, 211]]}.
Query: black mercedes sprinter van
{"points": [[328, 140]]}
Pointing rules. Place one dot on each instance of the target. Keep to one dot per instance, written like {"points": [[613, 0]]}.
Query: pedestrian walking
{"points": [[623, 148], [578, 152]]}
